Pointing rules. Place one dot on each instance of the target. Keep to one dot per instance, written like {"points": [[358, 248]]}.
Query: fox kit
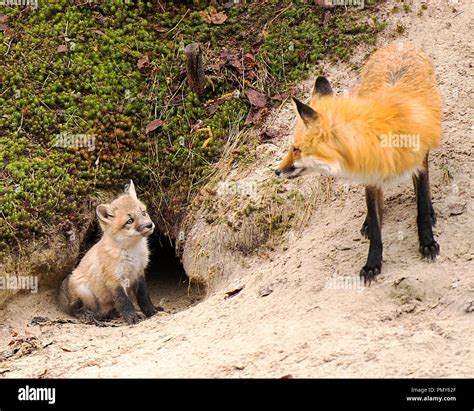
{"points": [[113, 269], [380, 134]]}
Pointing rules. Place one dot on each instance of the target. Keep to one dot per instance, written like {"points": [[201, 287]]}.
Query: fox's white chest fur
{"points": [[131, 263], [310, 165]]}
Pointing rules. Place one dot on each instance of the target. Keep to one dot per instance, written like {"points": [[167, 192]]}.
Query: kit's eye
{"points": [[130, 221], [296, 150], [143, 213]]}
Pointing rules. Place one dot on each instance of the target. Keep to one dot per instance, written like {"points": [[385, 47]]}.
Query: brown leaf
{"points": [[256, 115], [256, 98], [153, 125], [217, 66], [143, 61], [4, 27], [269, 134], [249, 60], [100, 17], [119, 108], [231, 58], [62, 49], [3, 18], [212, 16], [280, 97], [218, 18], [158, 28], [99, 32]]}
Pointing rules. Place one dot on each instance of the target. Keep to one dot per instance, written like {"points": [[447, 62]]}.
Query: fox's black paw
{"points": [[88, 317], [153, 310], [364, 230], [132, 318], [369, 272], [429, 250]]}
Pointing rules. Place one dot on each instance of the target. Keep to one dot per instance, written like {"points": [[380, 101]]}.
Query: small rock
{"points": [[233, 293], [265, 291], [456, 208], [470, 307]]}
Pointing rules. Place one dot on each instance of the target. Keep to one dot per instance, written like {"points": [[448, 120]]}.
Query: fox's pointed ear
{"points": [[104, 212], [306, 113], [130, 190], [322, 87]]}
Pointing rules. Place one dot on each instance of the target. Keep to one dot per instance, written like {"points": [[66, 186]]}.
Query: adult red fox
{"points": [[114, 268], [381, 133]]}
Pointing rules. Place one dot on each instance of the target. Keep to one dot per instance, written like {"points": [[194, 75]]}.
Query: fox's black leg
{"points": [[364, 230], [373, 197], [124, 306], [426, 218], [143, 298]]}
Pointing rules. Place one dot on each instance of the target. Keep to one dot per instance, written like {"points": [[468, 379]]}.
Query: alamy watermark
{"points": [[32, 3], [395, 140], [28, 393], [355, 3], [239, 188], [338, 282], [77, 141], [19, 282]]}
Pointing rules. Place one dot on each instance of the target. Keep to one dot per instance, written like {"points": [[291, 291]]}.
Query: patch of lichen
{"points": [[91, 87]]}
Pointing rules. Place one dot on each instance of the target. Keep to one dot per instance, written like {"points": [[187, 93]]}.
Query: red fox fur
{"points": [[381, 133]]}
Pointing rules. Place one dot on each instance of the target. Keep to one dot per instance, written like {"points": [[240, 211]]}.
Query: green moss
{"points": [[92, 93]]}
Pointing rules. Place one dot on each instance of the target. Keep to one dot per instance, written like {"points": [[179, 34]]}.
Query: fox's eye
{"points": [[130, 221], [296, 149], [143, 213]]}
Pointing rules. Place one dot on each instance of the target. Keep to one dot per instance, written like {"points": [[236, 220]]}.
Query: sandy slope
{"points": [[412, 322]]}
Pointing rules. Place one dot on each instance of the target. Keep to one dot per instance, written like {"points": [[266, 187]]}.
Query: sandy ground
{"points": [[417, 320]]}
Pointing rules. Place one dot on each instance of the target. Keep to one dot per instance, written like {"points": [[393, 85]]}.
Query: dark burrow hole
{"points": [[167, 281]]}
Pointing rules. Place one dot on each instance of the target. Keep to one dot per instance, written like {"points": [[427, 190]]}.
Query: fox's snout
{"points": [[288, 172], [289, 166], [146, 229]]}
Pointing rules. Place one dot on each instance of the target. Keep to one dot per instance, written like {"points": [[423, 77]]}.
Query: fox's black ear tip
{"points": [[322, 86], [297, 102]]}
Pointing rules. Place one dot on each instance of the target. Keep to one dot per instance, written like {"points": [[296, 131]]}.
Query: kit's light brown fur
{"points": [[115, 264]]}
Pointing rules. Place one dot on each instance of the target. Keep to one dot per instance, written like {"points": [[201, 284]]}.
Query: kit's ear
{"points": [[130, 190], [104, 212]]}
